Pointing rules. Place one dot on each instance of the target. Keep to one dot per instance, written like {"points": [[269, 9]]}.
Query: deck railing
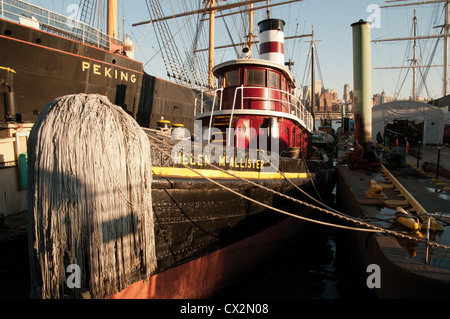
{"points": [[211, 101], [52, 22]]}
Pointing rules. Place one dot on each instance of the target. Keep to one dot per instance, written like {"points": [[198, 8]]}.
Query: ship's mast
{"points": [[446, 34], [212, 17], [250, 30], [313, 76], [112, 19], [211, 9], [446, 27], [414, 57]]}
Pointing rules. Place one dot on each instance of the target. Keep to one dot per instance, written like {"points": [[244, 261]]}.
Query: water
{"points": [[315, 267]]}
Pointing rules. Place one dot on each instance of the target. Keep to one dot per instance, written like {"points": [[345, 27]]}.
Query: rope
{"points": [[248, 198], [7, 69], [375, 229]]}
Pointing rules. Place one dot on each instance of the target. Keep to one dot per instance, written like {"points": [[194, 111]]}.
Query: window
{"points": [[256, 77], [231, 78], [274, 80]]}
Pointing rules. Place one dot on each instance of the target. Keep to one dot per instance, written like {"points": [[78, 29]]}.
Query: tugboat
{"points": [[252, 136], [257, 95]]}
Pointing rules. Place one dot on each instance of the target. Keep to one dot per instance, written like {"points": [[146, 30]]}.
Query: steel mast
{"points": [[446, 27]]}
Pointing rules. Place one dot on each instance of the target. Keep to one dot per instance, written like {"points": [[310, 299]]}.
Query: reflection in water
{"points": [[441, 193], [314, 267]]}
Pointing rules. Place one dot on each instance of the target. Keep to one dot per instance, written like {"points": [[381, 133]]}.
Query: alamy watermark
{"points": [[244, 148], [374, 279], [73, 17], [74, 279], [375, 17]]}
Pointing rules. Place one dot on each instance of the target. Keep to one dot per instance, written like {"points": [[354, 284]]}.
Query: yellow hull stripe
{"points": [[211, 173]]}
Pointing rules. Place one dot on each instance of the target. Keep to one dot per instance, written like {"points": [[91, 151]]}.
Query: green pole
{"points": [[362, 82], [23, 169]]}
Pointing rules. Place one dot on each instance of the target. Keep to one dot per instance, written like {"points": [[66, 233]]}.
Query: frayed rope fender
{"points": [[89, 198]]}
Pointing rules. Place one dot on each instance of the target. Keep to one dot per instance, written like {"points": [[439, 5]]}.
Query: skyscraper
{"points": [[346, 93]]}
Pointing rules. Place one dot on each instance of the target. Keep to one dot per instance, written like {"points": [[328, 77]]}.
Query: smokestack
{"points": [[271, 39], [9, 97], [362, 78]]}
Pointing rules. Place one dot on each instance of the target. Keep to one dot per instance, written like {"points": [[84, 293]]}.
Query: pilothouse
{"points": [[256, 100]]}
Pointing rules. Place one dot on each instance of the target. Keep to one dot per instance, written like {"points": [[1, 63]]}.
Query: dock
{"points": [[407, 268]]}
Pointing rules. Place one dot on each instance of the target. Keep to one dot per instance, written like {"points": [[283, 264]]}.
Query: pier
{"points": [[332, 115], [393, 188], [408, 268]]}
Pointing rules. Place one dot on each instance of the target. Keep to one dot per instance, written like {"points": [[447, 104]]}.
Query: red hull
{"points": [[205, 276]]}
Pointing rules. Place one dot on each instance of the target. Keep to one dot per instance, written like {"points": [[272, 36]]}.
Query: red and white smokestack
{"points": [[271, 40]]}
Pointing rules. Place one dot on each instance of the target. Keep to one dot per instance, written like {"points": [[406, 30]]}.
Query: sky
{"points": [[332, 21]]}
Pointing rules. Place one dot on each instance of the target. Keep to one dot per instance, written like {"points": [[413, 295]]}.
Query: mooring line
{"points": [[375, 229], [262, 204]]}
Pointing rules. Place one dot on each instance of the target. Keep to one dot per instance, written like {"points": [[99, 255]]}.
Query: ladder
{"points": [[87, 8], [221, 123], [172, 60]]}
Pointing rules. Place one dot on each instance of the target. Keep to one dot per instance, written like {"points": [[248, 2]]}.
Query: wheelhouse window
{"points": [[231, 78], [274, 80], [256, 77], [283, 85]]}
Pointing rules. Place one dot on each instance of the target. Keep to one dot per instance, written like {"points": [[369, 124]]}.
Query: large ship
{"points": [[215, 215]]}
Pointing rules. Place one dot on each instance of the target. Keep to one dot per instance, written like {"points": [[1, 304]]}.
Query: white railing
{"points": [[211, 101], [55, 23]]}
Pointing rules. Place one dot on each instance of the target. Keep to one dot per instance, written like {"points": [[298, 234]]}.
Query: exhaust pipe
{"points": [[10, 102]]}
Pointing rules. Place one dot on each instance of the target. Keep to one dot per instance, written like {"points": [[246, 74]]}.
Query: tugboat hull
{"points": [[204, 277]]}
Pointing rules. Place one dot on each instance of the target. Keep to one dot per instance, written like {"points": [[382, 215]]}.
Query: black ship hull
{"points": [[195, 217], [48, 66]]}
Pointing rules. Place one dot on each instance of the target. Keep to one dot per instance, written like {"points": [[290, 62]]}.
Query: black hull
{"points": [[196, 218], [206, 276], [48, 66]]}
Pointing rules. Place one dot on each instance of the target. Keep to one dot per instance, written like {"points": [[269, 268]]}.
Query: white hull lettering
{"points": [[107, 72]]}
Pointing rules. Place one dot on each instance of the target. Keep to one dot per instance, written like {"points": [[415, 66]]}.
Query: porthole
{"points": [[8, 32]]}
